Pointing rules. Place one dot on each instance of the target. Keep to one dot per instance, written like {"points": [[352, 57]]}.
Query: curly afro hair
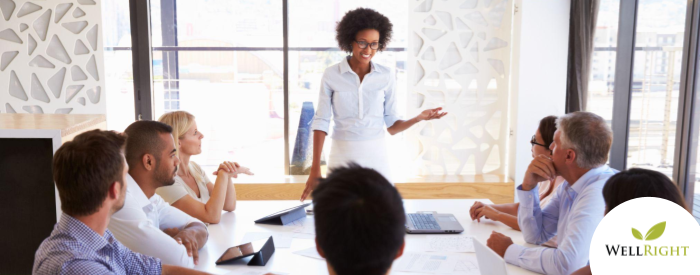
{"points": [[361, 19]]}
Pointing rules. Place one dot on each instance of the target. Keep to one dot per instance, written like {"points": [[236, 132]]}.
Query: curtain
{"points": [[582, 25]]}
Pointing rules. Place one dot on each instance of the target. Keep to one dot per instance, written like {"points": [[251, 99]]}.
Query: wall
{"points": [[540, 49], [51, 57], [459, 59]]}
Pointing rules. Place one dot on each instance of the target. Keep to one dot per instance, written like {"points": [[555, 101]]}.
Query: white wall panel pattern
{"points": [[51, 57], [459, 59]]}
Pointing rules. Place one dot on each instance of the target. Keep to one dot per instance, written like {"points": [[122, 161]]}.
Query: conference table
{"points": [[234, 225]]}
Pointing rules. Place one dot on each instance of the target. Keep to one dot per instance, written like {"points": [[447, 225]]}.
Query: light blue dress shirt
{"points": [[572, 215], [360, 109]]}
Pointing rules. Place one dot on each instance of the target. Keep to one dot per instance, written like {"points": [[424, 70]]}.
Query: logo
{"points": [[654, 233], [668, 242]]}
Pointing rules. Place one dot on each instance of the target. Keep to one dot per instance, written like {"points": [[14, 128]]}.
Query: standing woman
{"points": [[360, 95]]}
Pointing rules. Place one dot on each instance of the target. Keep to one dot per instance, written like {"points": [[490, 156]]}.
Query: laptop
{"points": [[432, 223], [490, 263]]}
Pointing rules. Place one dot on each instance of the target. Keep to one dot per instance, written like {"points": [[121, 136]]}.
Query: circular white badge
{"points": [[646, 236]]}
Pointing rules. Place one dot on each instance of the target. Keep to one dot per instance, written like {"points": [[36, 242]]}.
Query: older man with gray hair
{"points": [[579, 153]]}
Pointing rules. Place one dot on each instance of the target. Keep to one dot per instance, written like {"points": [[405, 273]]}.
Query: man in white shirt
{"points": [[579, 153], [147, 224]]}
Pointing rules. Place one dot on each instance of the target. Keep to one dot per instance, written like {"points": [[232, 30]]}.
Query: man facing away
{"points": [[147, 224], [90, 176], [579, 153], [360, 221]]}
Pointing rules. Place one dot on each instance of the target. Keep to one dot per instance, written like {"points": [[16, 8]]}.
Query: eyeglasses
{"points": [[533, 141], [363, 45]]}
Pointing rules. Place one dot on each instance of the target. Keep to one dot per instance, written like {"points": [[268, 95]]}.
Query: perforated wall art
{"points": [[51, 57], [459, 59]]}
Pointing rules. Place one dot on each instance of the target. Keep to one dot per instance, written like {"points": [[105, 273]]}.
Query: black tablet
{"points": [[242, 251], [285, 216]]}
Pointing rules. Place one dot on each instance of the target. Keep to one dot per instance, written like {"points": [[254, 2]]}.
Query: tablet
{"points": [[285, 216], [241, 251]]}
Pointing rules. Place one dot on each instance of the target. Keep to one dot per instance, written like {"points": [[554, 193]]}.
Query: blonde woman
{"points": [[193, 192]]}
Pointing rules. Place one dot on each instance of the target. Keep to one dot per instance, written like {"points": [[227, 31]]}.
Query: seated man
{"points": [[359, 220], [147, 224], [89, 173], [579, 153]]}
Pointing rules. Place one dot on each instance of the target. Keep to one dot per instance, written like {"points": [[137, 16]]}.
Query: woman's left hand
{"points": [[235, 169], [229, 167], [431, 114], [488, 212]]}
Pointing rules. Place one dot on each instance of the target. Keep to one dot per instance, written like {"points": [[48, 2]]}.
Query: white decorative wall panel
{"points": [[51, 57], [459, 59]]}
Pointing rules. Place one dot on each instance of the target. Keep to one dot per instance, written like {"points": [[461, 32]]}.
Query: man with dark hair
{"points": [[147, 224], [89, 173], [360, 221]]}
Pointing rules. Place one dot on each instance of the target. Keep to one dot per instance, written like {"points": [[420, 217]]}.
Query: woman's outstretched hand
{"points": [[430, 114]]}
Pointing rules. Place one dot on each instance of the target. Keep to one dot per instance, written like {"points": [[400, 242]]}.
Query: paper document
{"points": [[467, 266], [304, 228], [254, 272], [303, 236], [450, 243], [437, 263], [281, 240], [309, 252], [426, 263], [245, 270]]}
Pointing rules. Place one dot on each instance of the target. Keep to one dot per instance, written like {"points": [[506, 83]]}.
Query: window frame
{"points": [[685, 155], [141, 48], [688, 117], [687, 135]]}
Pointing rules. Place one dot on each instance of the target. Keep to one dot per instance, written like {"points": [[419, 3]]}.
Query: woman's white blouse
{"points": [[179, 189], [360, 110]]}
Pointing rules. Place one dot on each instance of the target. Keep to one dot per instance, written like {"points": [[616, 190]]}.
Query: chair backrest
{"points": [[27, 201]]}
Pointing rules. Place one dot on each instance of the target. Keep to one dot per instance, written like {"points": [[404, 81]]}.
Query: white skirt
{"points": [[366, 153]]}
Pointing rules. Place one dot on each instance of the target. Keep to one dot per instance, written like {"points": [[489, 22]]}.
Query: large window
{"points": [[691, 162], [655, 84], [224, 62], [119, 76], [655, 80], [602, 78], [221, 61], [650, 105]]}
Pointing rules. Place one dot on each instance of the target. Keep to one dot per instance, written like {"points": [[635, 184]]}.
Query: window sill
{"points": [[494, 187]]}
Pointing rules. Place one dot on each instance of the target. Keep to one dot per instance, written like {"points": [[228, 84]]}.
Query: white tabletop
{"points": [[235, 225]]}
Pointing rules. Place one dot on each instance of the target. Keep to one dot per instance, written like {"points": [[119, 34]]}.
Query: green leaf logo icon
{"points": [[637, 234], [655, 232]]}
